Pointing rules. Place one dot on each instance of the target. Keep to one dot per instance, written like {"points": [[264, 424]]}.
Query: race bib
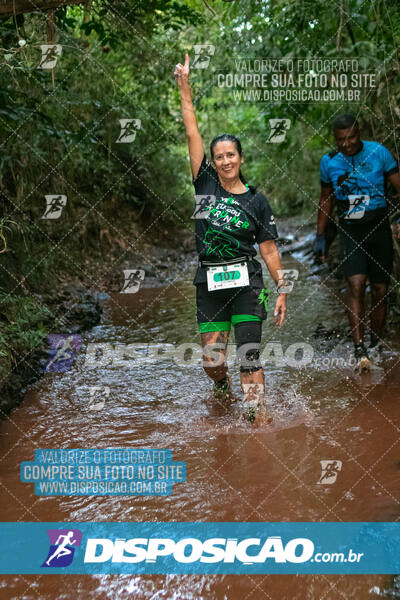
{"points": [[223, 277]]}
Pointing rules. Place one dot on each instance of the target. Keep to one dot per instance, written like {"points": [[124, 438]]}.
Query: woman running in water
{"points": [[231, 217]]}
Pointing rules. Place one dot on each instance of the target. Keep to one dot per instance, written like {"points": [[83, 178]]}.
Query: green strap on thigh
{"points": [[226, 325], [244, 318], [214, 326]]}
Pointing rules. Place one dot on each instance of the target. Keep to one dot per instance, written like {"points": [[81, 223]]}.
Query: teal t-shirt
{"points": [[358, 181]]}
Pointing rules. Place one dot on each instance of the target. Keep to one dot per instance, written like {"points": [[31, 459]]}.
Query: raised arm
{"points": [[195, 143]]}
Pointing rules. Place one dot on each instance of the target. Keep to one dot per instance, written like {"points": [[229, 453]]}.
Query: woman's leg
{"points": [[254, 377], [248, 338], [214, 354], [214, 320]]}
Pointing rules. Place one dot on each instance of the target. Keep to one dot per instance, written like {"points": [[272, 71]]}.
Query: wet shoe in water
{"points": [[375, 346], [222, 388], [254, 401], [363, 362]]}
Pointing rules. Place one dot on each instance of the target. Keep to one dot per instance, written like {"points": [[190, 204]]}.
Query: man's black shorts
{"points": [[367, 250], [218, 309]]}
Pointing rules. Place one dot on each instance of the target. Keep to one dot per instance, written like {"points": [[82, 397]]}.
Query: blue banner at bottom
{"points": [[190, 548]]}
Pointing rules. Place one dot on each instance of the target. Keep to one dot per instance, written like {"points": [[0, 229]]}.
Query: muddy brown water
{"points": [[235, 471]]}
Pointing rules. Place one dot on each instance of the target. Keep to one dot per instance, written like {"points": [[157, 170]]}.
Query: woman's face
{"points": [[227, 160]]}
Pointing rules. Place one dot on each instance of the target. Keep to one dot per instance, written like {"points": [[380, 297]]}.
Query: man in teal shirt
{"points": [[354, 175]]}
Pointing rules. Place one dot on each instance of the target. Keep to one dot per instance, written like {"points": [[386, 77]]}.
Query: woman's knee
{"points": [[248, 342], [214, 350], [213, 358]]}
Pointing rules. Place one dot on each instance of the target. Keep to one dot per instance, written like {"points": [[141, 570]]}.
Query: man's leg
{"points": [[356, 306], [380, 268], [378, 310], [356, 315]]}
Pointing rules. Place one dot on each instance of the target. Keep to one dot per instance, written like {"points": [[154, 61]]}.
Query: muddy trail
{"points": [[321, 410]]}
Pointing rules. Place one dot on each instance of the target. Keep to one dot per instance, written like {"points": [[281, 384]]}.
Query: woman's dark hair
{"points": [[229, 137]]}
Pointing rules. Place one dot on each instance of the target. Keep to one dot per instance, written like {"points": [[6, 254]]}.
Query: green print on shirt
{"points": [[220, 242], [228, 215], [226, 221]]}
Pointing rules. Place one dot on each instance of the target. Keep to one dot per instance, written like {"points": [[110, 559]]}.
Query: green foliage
{"points": [[24, 322], [117, 62], [289, 172]]}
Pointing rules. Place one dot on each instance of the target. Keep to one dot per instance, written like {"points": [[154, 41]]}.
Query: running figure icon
{"points": [[63, 545], [62, 549]]}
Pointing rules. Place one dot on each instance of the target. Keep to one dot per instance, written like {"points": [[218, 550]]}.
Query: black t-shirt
{"points": [[233, 224]]}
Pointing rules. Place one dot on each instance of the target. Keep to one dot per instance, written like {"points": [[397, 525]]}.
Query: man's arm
{"points": [[324, 210], [394, 179]]}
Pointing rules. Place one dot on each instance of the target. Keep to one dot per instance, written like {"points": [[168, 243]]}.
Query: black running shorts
{"points": [[367, 250], [217, 310]]}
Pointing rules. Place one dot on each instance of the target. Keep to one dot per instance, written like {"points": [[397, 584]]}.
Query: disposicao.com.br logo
{"points": [[199, 548]]}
